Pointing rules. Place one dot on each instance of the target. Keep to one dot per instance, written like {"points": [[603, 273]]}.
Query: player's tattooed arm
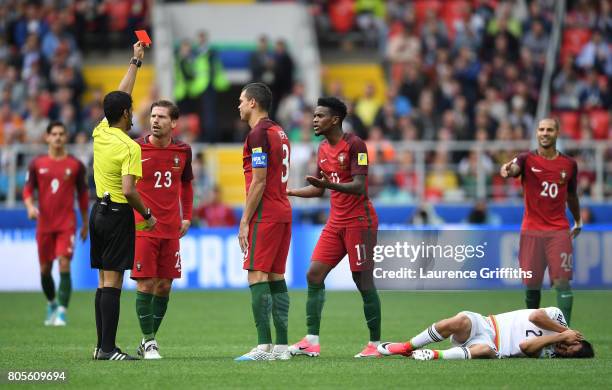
{"points": [[540, 319], [532, 347], [510, 169], [355, 187]]}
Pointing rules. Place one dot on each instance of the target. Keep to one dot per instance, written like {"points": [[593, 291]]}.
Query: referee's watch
{"points": [[147, 214], [136, 62]]}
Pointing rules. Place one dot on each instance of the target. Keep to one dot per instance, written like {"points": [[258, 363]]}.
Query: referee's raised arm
{"points": [[117, 166]]}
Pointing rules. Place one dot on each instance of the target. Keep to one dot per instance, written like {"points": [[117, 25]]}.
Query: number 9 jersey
{"points": [[267, 146], [165, 186], [546, 184]]}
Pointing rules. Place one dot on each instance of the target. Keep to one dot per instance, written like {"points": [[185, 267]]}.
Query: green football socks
{"points": [[261, 302], [314, 307], [64, 290], [371, 310], [160, 305], [48, 286], [280, 310], [532, 299], [565, 299], [144, 310]]}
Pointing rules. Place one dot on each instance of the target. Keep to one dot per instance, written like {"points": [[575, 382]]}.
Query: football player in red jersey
{"points": [[56, 176], [549, 182], [166, 187], [265, 226], [352, 226]]}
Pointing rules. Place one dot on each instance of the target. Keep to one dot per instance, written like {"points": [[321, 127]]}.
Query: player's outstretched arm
{"points": [[510, 169], [306, 192], [541, 319], [355, 187], [127, 83], [532, 347]]}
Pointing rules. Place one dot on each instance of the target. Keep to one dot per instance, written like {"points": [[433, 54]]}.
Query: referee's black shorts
{"points": [[113, 237]]}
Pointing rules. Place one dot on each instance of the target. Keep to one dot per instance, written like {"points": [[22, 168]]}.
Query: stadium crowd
{"points": [[458, 70]]}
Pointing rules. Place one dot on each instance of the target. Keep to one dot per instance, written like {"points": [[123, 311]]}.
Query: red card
{"points": [[143, 37]]}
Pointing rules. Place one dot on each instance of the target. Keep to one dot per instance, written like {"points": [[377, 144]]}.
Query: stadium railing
{"points": [[385, 165]]}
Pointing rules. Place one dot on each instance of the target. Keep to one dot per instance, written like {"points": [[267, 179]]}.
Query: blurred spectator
{"points": [[425, 215], [36, 124], [262, 62], [536, 40], [215, 213], [11, 126], [469, 168], [402, 49], [290, 108], [480, 215], [352, 123], [440, 178], [284, 70], [586, 215], [596, 54], [367, 106]]}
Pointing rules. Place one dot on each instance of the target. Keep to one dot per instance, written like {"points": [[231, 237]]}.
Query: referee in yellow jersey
{"points": [[117, 167]]}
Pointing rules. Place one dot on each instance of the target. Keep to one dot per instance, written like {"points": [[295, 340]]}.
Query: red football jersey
{"points": [[267, 146], [341, 162], [56, 182], [165, 172], [546, 184]]}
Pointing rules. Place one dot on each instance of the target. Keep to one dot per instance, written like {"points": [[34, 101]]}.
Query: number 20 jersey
{"points": [[267, 146], [163, 172], [546, 184]]}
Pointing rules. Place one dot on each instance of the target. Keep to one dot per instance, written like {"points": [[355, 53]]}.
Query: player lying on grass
{"points": [[521, 333]]}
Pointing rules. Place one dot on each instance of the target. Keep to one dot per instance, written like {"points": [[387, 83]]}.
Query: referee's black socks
{"points": [[98, 317], [109, 307]]}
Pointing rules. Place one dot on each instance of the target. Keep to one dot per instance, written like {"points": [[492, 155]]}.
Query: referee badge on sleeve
{"points": [[362, 159]]}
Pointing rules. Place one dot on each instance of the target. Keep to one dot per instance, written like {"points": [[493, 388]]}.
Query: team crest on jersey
{"points": [[342, 160], [67, 174], [563, 176], [176, 161]]}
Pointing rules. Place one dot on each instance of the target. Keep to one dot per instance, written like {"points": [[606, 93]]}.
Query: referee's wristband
{"points": [[136, 61], [147, 214]]}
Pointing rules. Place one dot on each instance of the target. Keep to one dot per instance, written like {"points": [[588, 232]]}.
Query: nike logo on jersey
{"points": [[145, 159], [322, 161], [536, 170], [43, 170]]}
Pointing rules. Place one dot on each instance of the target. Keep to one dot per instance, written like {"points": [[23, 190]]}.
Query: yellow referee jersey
{"points": [[115, 154]]}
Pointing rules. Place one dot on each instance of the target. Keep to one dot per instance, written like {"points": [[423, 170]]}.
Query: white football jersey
{"points": [[514, 327]]}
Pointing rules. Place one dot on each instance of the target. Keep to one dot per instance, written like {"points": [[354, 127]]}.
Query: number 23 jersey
{"points": [[546, 184], [164, 170]]}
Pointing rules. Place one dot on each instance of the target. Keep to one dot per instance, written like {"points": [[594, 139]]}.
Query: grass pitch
{"points": [[204, 330]]}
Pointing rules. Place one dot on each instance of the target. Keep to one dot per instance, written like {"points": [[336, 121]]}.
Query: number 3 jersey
{"points": [[56, 181], [546, 184], [165, 186], [267, 146], [514, 327]]}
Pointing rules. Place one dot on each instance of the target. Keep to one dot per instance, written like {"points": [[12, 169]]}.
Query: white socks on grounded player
{"points": [[456, 353], [312, 339], [375, 343], [428, 336]]}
